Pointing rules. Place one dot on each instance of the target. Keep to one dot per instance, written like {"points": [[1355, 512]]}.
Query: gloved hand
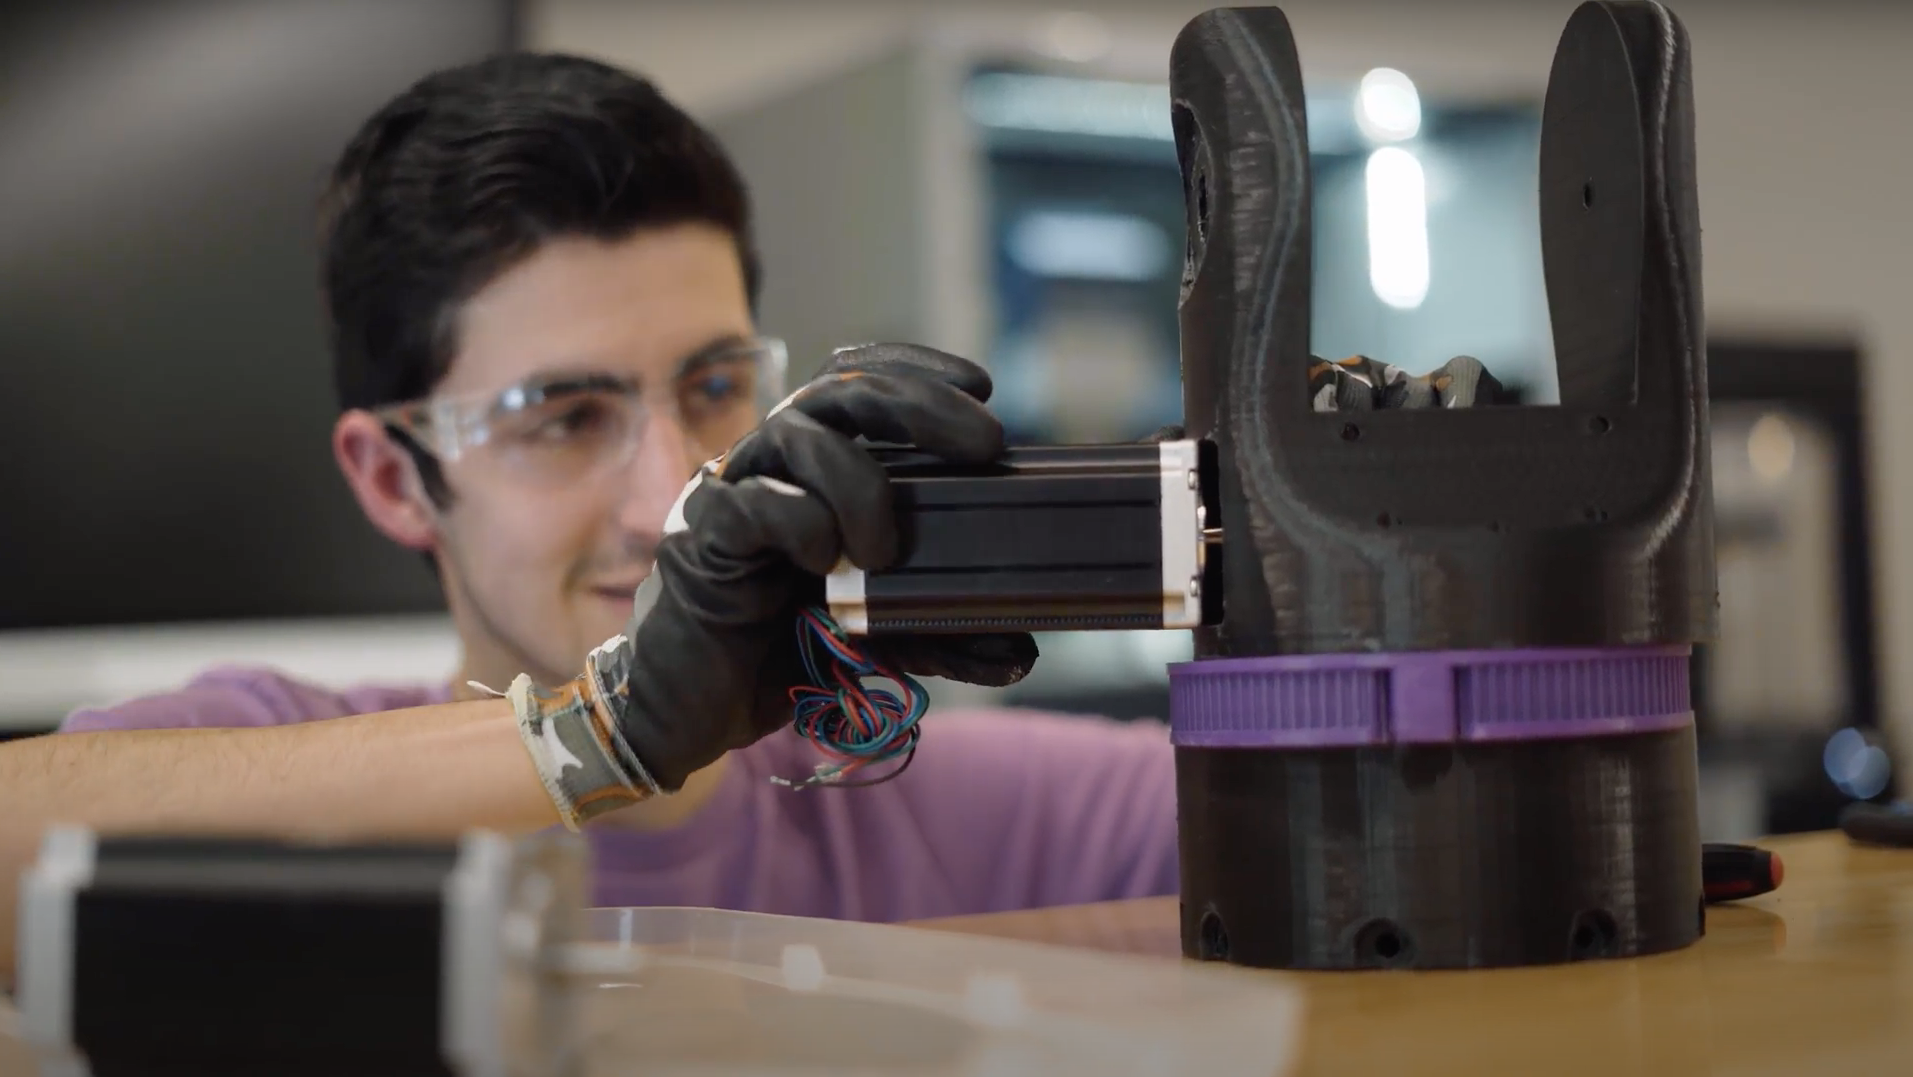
{"points": [[1359, 383], [708, 660]]}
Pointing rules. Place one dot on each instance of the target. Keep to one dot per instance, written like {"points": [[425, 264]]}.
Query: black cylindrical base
{"points": [[1471, 855]]}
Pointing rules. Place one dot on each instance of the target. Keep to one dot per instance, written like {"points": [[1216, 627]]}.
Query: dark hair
{"points": [[468, 172]]}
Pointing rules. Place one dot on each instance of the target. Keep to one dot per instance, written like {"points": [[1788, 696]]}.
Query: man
{"points": [[540, 278]]}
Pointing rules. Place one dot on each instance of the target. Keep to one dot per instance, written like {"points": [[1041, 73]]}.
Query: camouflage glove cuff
{"points": [[582, 759]]}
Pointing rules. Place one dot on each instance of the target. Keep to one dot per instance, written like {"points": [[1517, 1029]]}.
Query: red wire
{"points": [[843, 693]]}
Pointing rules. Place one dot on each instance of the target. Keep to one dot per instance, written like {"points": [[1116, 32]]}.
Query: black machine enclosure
{"points": [[1582, 525]]}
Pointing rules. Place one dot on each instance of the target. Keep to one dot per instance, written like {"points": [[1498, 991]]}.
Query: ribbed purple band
{"points": [[1427, 697]]}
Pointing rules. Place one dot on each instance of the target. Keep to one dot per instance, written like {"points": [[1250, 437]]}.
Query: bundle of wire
{"points": [[855, 727]]}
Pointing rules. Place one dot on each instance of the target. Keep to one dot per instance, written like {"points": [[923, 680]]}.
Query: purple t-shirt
{"points": [[999, 810]]}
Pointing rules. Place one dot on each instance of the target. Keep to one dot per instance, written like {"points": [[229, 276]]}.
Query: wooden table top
{"points": [[1814, 978]]}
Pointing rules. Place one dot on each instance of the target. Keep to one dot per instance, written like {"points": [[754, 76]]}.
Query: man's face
{"points": [[538, 569]]}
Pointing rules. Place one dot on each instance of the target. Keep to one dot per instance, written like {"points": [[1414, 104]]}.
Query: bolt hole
{"points": [[1599, 425], [1212, 939], [1587, 195], [1381, 942], [1351, 432], [1593, 935]]}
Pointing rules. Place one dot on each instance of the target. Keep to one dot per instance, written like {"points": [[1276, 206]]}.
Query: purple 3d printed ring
{"points": [[1427, 697]]}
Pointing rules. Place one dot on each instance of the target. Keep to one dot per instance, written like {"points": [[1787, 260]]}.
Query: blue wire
{"points": [[824, 708]]}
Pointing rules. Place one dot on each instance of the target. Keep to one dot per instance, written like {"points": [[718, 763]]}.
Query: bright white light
{"points": [[1076, 36], [1089, 246], [1387, 108], [1397, 228]]}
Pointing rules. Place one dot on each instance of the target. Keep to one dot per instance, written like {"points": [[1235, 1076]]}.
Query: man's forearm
{"points": [[426, 772]]}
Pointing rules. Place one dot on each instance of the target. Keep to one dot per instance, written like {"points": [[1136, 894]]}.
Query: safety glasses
{"points": [[564, 428]]}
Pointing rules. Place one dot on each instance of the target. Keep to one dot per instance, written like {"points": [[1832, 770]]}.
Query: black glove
{"points": [[711, 654]]}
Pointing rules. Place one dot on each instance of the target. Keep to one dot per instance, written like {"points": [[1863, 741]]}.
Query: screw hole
{"points": [[1599, 425], [1593, 935], [1495, 526], [1381, 942], [1351, 432], [1587, 195], [1212, 939]]}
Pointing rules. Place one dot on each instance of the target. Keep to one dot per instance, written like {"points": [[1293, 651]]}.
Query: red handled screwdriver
{"points": [[1731, 872]]}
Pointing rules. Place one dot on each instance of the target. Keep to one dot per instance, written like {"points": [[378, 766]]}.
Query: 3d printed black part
{"points": [[1486, 806], [1450, 856], [1586, 525], [1051, 537]]}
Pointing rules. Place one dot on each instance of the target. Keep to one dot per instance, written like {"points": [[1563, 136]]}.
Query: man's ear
{"points": [[385, 480]]}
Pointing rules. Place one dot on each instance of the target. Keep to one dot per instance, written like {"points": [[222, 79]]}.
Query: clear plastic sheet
{"points": [[683, 992]]}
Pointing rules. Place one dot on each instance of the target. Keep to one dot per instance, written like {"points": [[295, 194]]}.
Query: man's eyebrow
{"points": [[709, 352], [592, 375], [582, 381]]}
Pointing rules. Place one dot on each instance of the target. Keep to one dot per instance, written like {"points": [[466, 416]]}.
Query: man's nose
{"points": [[659, 468]]}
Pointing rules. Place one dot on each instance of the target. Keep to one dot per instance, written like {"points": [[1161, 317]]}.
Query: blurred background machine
{"points": [[1789, 697], [168, 453]]}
